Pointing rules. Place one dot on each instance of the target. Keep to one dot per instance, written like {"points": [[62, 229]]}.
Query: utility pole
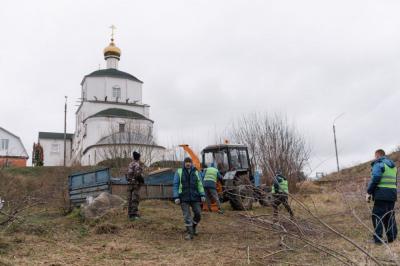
{"points": [[65, 130], [337, 157], [335, 141]]}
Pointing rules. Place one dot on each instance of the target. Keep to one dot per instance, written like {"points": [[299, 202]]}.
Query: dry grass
{"points": [[47, 237], [107, 228], [308, 187], [157, 239]]}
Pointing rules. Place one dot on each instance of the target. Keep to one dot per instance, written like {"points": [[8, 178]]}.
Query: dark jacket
{"points": [[377, 169], [188, 186], [135, 172]]}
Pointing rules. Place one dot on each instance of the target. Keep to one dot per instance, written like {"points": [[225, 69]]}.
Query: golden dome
{"points": [[112, 50]]}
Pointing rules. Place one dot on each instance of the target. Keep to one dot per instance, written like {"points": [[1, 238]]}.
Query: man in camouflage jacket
{"points": [[135, 181]]}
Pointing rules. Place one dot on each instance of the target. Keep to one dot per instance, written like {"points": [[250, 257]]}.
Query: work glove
{"points": [[368, 198], [203, 199], [177, 201]]}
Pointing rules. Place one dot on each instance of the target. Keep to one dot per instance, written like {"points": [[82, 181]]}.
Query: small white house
{"points": [[12, 151], [53, 148]]}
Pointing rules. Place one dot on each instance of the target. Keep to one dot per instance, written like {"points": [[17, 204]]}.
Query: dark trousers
{"points": [[187, 215], [133, 199], [383, 216], [212, 195], [278, 200]]}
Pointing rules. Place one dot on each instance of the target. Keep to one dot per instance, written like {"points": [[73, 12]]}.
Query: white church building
{"points": [[112, 121]]}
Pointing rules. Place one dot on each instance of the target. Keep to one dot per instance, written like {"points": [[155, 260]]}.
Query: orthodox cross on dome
{"points": [[112, 27], [112, 53]]}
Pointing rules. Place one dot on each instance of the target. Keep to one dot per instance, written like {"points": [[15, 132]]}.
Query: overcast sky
{"points": [[204, 63]]}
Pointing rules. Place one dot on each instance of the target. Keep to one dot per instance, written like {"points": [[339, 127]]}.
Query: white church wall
{"points": [[53, 152], [133, 91], [100, 127], [100, 153], [112, 62], [95, 87], [100, 87], [75, 157]]}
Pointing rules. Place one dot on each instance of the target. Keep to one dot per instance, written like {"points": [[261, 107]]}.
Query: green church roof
{"points": [[116, 112], [111, 72]]}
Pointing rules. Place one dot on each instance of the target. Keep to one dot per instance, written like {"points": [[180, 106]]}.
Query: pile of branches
{"points": [[308, 231], [16, 210], [17, 200]]}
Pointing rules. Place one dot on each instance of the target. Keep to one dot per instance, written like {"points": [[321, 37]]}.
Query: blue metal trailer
{"points": [[92, 183], [158, 185]]}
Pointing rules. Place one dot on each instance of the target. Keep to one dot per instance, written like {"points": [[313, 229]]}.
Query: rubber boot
{"points": [[194, 230], [189, 233]]}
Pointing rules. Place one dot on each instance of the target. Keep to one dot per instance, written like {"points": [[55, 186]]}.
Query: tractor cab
{"points": [[227, 158], [232, 161]]}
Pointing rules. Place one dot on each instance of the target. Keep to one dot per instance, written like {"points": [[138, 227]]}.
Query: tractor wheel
{"points": [[266, 201], [264, 196], [241, 195]]}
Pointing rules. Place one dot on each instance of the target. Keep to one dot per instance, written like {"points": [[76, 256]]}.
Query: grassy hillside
{"points": [[359, 172], [45, 235]]}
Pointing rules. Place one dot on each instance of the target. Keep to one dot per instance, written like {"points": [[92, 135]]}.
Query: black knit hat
{"points": [[136, 155], [187, 160]]}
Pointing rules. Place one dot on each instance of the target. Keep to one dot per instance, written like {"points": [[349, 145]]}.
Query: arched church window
{"points": [[116, 92]]}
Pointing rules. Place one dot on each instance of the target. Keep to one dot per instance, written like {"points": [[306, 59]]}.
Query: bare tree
{"points": [[118, 145], [246, 130], [17, 198], [273, 145]]}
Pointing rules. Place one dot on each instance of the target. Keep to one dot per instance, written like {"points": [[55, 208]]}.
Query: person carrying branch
{"points": [[280, 192], [188, 191], [135, 181], [382, 188]]}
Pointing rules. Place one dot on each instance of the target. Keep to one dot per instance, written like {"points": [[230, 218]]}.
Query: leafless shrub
{"points": [[273, 145], [18, 198], [118, 145], [308, 230]]}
